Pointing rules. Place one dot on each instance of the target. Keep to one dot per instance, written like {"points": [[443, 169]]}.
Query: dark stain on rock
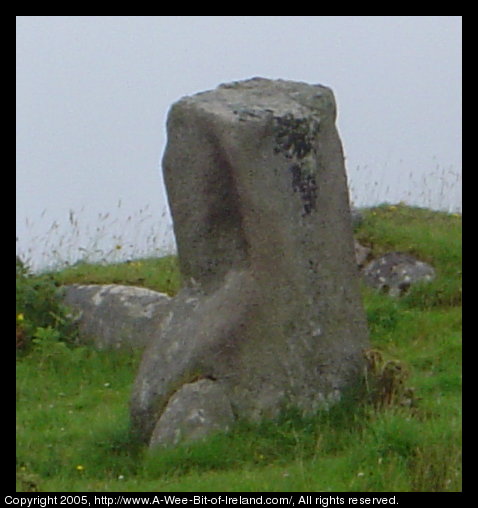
{"points": [[294, 139]]}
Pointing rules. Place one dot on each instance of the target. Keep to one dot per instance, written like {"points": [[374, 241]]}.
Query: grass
{"points": [[72, 402], [158, 274]]}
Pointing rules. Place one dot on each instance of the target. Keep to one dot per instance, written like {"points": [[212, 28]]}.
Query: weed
{"points": [[40, 315]]}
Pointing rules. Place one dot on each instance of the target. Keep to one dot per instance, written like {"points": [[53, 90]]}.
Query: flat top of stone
{"points": [[257, 97]]}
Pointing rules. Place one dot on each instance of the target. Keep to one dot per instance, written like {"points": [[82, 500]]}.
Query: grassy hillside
{"points": [[72, 401]]}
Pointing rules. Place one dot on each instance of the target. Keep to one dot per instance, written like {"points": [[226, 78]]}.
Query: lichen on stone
{"points": [[294, 138]]}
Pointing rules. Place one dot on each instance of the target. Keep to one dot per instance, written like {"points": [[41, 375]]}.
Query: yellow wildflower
{"points": [[20, 317], [79, 467]]}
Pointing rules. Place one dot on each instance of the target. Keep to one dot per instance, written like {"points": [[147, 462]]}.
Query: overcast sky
{"points": [[93, 93]]}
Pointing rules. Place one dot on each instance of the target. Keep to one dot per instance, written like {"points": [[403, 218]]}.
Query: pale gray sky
{"points": [[93, 93]]}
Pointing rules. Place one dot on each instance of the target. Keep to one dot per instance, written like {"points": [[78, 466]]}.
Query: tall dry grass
{"points": [[110, 237]]}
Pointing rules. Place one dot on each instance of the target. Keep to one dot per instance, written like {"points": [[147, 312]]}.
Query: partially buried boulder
{"points": [[194, 411], [395, 272], [270, 315], [114, 316]]}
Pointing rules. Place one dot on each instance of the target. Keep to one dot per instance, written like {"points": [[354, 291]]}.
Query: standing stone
{"points": [[270, 310]]}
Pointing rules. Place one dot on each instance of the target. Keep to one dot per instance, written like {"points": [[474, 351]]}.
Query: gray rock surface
{"points": [[362, 254], [395, 272], [196, 410], [113, 316], [270, 308]]}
